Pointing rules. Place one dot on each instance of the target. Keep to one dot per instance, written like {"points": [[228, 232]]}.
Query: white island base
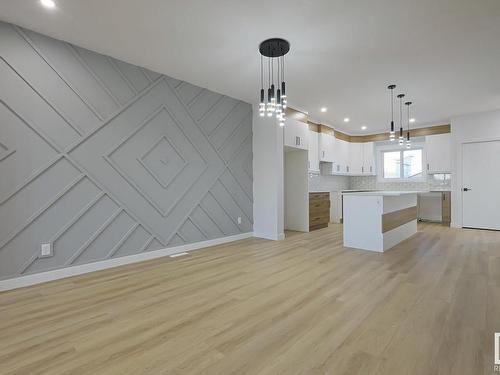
{"points": [[379, 220]]}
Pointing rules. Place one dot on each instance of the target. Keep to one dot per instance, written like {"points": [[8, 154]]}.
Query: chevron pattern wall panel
{"points": [[103, 159]]}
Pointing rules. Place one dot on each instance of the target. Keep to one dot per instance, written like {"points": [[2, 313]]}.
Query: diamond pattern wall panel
{"points": [[104, 159]]}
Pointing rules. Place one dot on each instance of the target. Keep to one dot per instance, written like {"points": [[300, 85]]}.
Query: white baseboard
{"points": [[42, 277], [270, 236]]}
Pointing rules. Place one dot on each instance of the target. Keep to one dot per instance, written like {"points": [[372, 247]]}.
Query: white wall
{"points": [[475, 127], [296, 191], [267, 177]]}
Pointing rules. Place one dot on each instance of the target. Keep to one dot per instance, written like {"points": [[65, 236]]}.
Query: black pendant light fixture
{"points": [[401, 136], [408, 141], [392, 133], [275, 50]]}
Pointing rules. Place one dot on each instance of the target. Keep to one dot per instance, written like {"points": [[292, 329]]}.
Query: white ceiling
{"points": [[444, 54]]}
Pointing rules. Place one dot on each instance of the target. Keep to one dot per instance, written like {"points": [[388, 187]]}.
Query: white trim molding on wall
{"points": [[42, 277]]}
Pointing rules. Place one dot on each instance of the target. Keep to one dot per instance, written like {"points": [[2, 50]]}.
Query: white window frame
{"points": [[397, 147]]}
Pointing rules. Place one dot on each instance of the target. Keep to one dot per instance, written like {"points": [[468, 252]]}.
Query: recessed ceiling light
{"points": [[363, 127], [412, 120], [48, 3], [347, 119], [323, 109]]}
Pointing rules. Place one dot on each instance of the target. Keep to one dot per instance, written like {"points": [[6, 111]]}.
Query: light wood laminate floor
{"points": [[304, 305]]}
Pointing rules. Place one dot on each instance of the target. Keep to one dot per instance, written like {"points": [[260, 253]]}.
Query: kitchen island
{"points": [[379, 220]]}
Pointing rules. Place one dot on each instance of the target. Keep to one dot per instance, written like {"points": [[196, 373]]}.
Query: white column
{"points": [[268, 213]]}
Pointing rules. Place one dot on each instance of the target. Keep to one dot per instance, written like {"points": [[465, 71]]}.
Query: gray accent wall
{"points": [[104, 159]]}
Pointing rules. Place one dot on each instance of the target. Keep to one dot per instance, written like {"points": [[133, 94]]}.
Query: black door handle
{"points": [[466, 189]]}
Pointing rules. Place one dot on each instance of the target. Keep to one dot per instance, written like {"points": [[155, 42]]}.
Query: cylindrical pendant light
{"points": [[392, 133], [401, 137], [408, 141], [262, 104]]}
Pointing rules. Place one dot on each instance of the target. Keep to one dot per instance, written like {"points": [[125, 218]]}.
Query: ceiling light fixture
{"points": [[323, 109], [392, 133], [363, 127], [48, 3], [275, 50], [347, 119], [412, 120], [401, 137], [408, 142]]}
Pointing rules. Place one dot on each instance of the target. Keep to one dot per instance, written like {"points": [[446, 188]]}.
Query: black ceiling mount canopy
{"points": [[274, 47]]}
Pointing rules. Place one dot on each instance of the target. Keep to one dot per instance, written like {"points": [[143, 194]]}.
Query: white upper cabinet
{"points": [[355, 158], [438, 149], [369, 158], [326, 147], [313, 153], [296, 134], [341, 157]]}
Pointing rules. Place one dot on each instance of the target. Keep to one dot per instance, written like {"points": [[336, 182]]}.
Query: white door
{"points": [[481, 185]]}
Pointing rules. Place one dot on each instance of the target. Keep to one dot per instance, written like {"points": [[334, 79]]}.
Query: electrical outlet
{"points": [[46, 250], [239, 219]]}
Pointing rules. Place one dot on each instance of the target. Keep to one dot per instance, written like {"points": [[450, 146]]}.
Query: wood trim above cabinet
{"points": [[320, 128], [419, 132], [343, 136], [326, 130], [395, 219], [313, 126], [296, 115]]}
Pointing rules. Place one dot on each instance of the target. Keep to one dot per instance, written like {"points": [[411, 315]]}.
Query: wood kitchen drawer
{"points": [[319, 210], [319, 196], [446, 207], [317, 205]]}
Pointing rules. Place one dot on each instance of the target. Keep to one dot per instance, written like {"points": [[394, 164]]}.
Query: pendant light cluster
{"points": [[273, 53], [392, 132]]}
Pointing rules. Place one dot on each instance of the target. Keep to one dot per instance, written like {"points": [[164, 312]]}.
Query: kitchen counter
{"points": [[383, 193], [379, 220]]}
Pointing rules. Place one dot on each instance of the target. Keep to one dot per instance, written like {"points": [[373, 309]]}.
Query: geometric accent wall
{"points": [[104, 159]]}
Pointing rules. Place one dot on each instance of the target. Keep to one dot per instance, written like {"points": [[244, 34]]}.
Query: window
{"points": [[402, 164]]}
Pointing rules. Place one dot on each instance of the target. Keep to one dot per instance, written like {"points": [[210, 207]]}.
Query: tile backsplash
{"points": [[433, 182], [325, 182]]}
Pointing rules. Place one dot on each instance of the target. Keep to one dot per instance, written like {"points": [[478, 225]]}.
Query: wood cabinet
{"points": [[446, 207], [296, 134], [313, 153], [438, 149], [319, 210]]}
